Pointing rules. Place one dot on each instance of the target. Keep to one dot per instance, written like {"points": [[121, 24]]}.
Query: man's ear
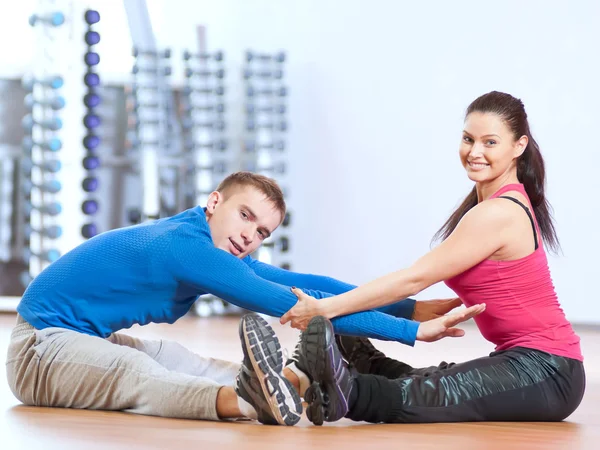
{"points": [[214, 199]]}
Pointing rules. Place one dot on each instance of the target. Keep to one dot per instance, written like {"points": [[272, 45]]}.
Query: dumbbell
{"points": [[53, 82], [51, 166], [53, 123], [90, 184], [91, 142], [286, 219], [92, 37], [91, 17], [51, 187], [275, 74], [219, 167], [251, 146], [54, 103], [89, 207], [251, 166], [89, 230], [279, 92], [219, 73], [91, 120], [220, 145], [282, 244], [134, 216], [91, 79], [279, 109], [286, 266], [152, 70], [134, 105], [151, 53], [217, 56], [251, 125], [52, 144], [45, 255], [51, 231], [190, 123], [91, 58], [217, 90], [54, 19], [50, 209], [91, 162], [219, 108], [277, 57], [91, 100]]}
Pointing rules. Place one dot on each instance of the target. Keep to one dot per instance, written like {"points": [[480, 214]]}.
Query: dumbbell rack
{"points": [[203, 123], [149, 130], [264, 144], [39, 183]]}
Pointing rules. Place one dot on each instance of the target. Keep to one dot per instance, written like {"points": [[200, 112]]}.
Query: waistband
{"points": [[22, 328]]}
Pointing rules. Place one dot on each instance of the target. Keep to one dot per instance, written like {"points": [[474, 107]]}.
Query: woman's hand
{"points": [[306, 308], [436, 329]]}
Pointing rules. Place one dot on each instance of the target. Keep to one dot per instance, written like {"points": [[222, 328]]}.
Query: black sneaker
{"points": [[332, 382], [358, 352], [260, 381]]}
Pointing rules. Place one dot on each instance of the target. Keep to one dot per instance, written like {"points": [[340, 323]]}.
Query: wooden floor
{"points": [[48, 428]]}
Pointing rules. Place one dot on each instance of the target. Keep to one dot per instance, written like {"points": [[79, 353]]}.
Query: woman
{"points": [[492, 253]]}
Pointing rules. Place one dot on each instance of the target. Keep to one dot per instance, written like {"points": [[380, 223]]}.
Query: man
{"points": [[66, 350]]}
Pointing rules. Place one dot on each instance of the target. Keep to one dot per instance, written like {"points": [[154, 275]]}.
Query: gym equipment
{"points": [[53, 82], [91, 16], [91, 162], [90, 184], [53, 144], [91, 79], [286, 219], [89, 207], [218, 108], [92, 37], [45, 255], [279, 92], [275, 74], [151, 70], [51, 187], [91, 100], [52, 166], [89, 230], [51, 231], [190, 123], [251, 125], [50, 209], [277, 57], [218, 90], [220, 145], [91, 120], [53, 19], [286, 266], [91, 142], [134, 215], [54, 103], [136, 52], [219, 167], [91, 58], [219, 73], [282, 244], [252, 109], [217, 56], [252, 166], [53, 123], [251, 146]]}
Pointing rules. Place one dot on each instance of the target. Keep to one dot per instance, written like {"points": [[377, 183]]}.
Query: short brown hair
{"points": [[266, 185]]}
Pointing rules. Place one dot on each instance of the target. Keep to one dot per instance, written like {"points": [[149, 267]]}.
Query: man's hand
{"points": [[442, 327], [432, 309]]}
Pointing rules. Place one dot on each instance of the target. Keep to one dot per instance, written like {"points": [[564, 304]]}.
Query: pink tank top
{"points": [[522, 308]]}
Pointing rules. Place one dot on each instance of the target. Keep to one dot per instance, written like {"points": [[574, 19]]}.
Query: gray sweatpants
{"points": [[62, 368]]}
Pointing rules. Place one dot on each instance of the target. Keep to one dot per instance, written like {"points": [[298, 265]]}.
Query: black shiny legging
{"points": [[519, 384]]}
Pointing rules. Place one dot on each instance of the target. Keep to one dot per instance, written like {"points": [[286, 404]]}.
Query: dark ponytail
{"points": [[531, 171]]}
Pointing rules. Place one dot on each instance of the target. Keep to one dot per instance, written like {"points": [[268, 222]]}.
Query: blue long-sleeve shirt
{"points": [[154, 272]]}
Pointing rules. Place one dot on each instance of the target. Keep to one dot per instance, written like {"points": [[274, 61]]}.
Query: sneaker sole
{"points": [[267, 361], [320, 358]]}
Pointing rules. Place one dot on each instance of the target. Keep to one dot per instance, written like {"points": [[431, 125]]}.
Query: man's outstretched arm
{"points": [[404, 308]]}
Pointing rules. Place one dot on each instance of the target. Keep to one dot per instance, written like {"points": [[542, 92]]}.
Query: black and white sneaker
{"points": [[319, 357], [260, 381]]}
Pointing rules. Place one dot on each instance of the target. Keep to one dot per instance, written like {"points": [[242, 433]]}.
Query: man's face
{"points": [[241, 221]]}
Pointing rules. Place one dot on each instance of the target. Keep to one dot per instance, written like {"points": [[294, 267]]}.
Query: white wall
{"points": [[378, 92]]}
